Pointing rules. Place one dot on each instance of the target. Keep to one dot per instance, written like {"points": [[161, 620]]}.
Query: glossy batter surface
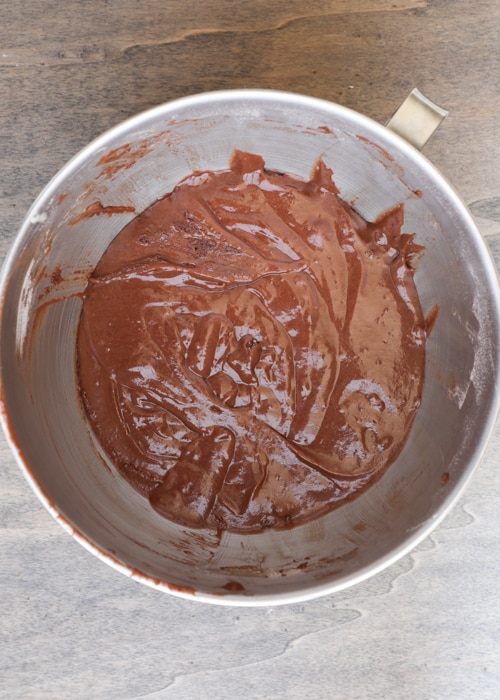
{"points": [[251, 351]]}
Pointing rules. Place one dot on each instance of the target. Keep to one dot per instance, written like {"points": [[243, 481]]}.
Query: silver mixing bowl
{"points": [[67, 230]]}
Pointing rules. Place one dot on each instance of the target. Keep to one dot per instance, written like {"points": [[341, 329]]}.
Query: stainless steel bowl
{"points": [[67, 230]]}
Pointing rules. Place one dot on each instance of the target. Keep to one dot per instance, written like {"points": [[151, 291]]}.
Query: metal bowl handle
{"points": [[417, 119]]}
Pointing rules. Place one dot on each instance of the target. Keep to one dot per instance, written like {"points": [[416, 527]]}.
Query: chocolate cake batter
{"points": [[250, 350]]}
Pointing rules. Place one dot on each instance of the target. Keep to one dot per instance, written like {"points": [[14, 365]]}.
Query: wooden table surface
{"points": [[71, 627]]}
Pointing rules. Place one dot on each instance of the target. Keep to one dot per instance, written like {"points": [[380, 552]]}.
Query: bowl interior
{"points": [[64, 236]]}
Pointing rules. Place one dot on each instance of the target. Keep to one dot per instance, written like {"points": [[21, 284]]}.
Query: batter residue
{"points": [[250, 350]]}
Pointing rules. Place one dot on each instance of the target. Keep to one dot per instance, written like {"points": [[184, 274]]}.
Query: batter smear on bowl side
{"points": [[250, 350]]}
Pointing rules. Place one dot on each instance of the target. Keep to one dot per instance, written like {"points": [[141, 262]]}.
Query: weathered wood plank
{"points": [[79, 34]]}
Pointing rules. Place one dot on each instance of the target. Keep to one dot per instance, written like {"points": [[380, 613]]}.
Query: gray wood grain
{"points": [[427, 627]]}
